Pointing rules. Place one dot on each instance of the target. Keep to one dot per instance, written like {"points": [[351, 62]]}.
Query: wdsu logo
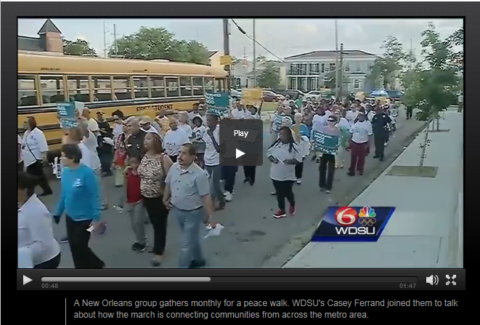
{"points": [[353, 224]]}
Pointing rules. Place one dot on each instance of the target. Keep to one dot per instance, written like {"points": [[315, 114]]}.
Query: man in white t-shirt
{"points": [[91, 122], [212, 160]]}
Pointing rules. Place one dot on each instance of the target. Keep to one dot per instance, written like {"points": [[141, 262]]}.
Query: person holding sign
{"points": [[361, 133], [326, 141], [284, 154]]}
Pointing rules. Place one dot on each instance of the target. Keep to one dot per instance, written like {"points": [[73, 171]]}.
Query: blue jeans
{"points": [[229, 173], [190, 223]]}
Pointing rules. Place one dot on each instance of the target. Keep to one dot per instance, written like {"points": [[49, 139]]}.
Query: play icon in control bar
{"points": [[26, 280]]}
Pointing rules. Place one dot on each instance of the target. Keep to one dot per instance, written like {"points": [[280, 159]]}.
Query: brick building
{"points": [[49, 40]]}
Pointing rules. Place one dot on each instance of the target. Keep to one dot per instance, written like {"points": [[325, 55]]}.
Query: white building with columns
{"points": [[307, 71]]}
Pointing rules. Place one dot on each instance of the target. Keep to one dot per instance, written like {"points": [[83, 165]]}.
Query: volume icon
{"points": [[433, 280]]}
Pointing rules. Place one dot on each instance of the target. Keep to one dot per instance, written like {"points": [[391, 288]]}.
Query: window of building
{"points": [[208, 84], [332, 67], [102, 88], [157, 85], [292, 83], [122, 88], [27, 95], [78, 88], [171, 84], [197, 84], [358, 67], [347, 67], [356, 84], [140, 86], [323, 68], [185, 86], [54, 92], [293, 69]]}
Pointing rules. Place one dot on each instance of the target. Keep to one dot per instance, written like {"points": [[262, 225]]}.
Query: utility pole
{"points": [[226, 50], [254, 57], [105, 51], [337, 88], [340, 71], [115, 39], [411, 54]]}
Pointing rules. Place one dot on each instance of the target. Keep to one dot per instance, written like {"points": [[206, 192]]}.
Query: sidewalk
{"points": [[426, 230]]}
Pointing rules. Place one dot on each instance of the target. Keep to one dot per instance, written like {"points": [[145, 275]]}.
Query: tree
{"points": [[330, 80], [79, 47], [432, 85], [385, 68], [159, 44], [269, 76]]}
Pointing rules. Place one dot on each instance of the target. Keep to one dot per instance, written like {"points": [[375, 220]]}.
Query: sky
{"points": [[282, 37]]}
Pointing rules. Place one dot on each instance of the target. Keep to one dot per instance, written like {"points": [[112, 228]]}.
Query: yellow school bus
{"points": [[131, 86]]}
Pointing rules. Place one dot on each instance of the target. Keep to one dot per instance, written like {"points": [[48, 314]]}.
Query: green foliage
{"points": [[330, 80], [385, 68], [270, 76], [432, 85], [159, 44], [79, 47]]}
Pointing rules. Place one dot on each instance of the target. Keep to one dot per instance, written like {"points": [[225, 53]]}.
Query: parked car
{"points": [[395, 94], [294, 94], [313, 95], [270, 96], [235, 94]]}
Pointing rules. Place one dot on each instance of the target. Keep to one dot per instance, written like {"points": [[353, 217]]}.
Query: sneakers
{"points": [[291, 210], [299, 181], [197, 264], [63, 240], [279, 214], [228, 196], [139, 247]]}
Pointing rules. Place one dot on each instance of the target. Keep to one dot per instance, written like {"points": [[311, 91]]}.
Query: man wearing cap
{"points": [[146, 125], [380, 124], [134, 143]]}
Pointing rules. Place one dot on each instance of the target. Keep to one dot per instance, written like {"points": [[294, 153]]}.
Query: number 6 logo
{"points": [[346, 216]]}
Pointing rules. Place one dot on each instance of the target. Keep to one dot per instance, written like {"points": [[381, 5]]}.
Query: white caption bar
{"points": [[126, 279]]}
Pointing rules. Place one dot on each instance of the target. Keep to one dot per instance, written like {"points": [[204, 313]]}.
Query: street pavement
{"points": [[252, 238]]}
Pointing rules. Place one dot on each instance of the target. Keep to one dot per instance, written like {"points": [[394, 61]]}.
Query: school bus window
{"points": [[172, 86], [102, 88], [157, 84], [208, 84], [197, 86], [219, 85], [27, 95], [141, 87], [185, 86], [54, 91], [78, 88], [121, 86]]}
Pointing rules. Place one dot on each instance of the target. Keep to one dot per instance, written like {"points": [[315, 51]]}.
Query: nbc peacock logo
{"points": [[367, 217]]}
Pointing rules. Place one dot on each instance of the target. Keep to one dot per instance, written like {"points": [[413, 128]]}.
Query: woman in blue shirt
{"points": [[81, 205]]}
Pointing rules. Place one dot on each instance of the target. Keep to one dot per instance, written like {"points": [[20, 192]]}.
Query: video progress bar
{"points": [[330, 279], [126, 279]]}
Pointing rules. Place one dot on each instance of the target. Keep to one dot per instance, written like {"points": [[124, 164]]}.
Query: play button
{"points": [[26, 280], [238, 153]]}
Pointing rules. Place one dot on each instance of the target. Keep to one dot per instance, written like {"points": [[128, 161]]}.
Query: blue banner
{"points": [[67, 115], [325, 143], [217, 103]]}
